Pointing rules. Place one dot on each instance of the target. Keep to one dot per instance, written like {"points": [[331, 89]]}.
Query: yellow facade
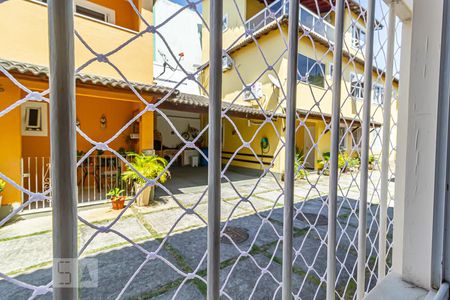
{"points": [[27, 42], [252, 62]]}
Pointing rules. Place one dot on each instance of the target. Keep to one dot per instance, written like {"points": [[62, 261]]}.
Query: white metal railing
{"points": [[307, 19], [96, 176]]}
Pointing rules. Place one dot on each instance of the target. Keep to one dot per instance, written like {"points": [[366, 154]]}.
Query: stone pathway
{"points": [[26, 249]]}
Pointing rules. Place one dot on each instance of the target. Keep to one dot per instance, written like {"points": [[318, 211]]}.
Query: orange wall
{"points": [[117, 113], [125, 15], [89, 112], [10, 140], [134, 60]]}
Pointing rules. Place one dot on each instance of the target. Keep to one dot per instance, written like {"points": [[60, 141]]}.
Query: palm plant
{"points": [[149, 166]]}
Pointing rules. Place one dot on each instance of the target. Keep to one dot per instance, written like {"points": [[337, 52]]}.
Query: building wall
{"points": [[251, 63], [248, 129], [180, 120], [119, 106], [183, 35], [27, 39], [10, 139]]}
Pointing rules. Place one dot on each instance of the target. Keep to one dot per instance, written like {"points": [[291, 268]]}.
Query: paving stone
{"points": [[189, 200], [25, 252], [38, 278], [272, 196], [188, 291], [225, 210], [196, 239], [130, 227], [116, 267], [163, 221], [256, 203], [247, 280], [25, 226]]}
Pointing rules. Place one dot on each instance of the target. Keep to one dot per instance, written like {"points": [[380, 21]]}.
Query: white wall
{"points": [[182, 35], [181, 120]]}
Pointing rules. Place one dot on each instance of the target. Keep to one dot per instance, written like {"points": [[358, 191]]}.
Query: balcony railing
{"points": [[307, 19], [95, 178]]}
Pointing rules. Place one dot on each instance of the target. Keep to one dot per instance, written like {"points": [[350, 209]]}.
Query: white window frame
{"points": [[225, 22], [43, 119], [357, 42], [109, 13], [360, 82], [378, 101]]}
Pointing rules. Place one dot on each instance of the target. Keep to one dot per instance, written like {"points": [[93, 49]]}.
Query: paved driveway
{"points": [[250, 252]]}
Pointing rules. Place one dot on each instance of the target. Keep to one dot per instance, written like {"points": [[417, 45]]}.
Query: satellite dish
{"points": [[274, 81]]}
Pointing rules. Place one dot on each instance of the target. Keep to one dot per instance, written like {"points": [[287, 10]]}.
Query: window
{"points": [[225, 23], [310, 71], [378, 94], [358, 36], [356, 85], [200, 34], [34, 119], [93, 11]]}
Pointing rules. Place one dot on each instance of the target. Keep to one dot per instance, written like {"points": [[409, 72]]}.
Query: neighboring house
{"points": [[104, 101], [181, 29], [314, 96]]}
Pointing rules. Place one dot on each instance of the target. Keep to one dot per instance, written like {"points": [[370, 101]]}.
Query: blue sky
{"points": [[183, 2]]}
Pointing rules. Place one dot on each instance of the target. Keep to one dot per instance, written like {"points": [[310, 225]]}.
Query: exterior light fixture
{"points": [[103, 121]]}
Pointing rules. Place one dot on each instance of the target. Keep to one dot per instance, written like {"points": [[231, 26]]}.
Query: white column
{"points": [[415, 178]]}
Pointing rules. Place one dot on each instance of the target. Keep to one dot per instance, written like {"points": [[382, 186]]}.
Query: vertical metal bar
{"points": [[33, 205], [288, 213], [364, 172], [386, 141], [214, 152], [334, 168], [21, 181], [63, 146]]}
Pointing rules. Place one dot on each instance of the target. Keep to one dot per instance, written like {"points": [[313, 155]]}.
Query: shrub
{"points": [[150, 166], [2, 186], [300, 172]]}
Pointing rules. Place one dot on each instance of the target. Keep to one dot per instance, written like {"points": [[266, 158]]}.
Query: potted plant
{"points": [[2, 188], [149, 166], [300, 172], [117, 200]]}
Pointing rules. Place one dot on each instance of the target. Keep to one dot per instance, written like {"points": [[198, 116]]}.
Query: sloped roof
{"points": [[176, 97], [202, 101], [42, 71]]}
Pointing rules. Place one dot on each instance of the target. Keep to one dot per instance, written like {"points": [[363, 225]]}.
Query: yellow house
{"points": [[105, 103], [255, 75]]}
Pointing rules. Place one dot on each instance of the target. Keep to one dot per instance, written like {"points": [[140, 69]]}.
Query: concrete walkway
{"points": [[26, 247]]}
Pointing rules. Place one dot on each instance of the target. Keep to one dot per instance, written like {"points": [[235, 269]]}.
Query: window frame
{"points": [[110, 14], [225, 22], [41, 130], [379, 100], [359, 82], [356, 41], [310, 66]]}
